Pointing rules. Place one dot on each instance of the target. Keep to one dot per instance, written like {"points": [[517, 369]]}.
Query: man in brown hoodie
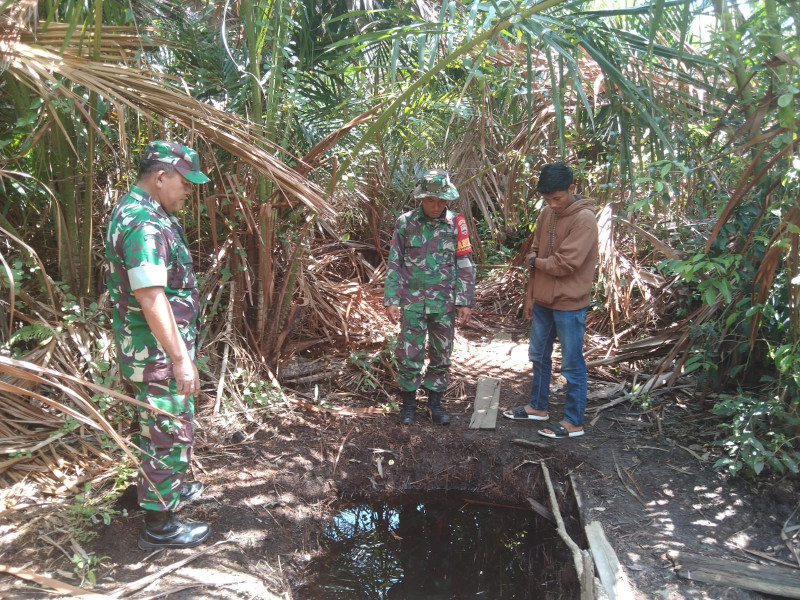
{"points": [[562, 265]]}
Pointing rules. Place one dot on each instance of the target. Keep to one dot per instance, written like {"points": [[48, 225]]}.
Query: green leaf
{"points": [[26, 120], [790, 463], [487, 23], [734, 370], [473, 12], [723, 462], [785, 100], [693, 367], [709, 296], [775, 463], [724, 286], [752, 310], [655, 24]]}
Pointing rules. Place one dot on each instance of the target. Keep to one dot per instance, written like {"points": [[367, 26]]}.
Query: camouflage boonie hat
{"points": [[436, 182], [185, 160]]}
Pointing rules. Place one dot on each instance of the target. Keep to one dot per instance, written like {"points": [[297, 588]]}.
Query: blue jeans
{"points": [[569, 326]]}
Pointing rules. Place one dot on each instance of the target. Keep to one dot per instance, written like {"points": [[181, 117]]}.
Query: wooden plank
{"points": [[487, 399], [769, 579], [609, 570], [583, 513], [541, 510], [588, 591]]}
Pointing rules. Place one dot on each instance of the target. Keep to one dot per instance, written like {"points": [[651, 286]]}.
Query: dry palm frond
{"points": [[339, 305], [12, 22], [116, 43], [150, 93], [749, 180], [312, 159], [57, 414], [657, 243], [498, 303], [37, 433], [768, 267]]}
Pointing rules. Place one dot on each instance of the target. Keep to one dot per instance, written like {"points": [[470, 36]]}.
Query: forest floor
{"points": [[270, 487]]}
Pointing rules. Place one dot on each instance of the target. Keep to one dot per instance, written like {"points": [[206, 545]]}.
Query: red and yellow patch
{"points": [[463, 247]]}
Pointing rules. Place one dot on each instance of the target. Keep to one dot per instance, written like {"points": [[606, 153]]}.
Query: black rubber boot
{"points": [[162, 529], [438, 415], [409, 407], [191, 490]]}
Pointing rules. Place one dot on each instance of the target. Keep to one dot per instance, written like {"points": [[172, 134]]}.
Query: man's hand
{"points": [[159, 317], [463, 313], [527, 308], [186, 377], [393, 312]]}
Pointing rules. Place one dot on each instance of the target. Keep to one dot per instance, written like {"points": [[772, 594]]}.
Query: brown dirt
{"points": [[645, 475]]}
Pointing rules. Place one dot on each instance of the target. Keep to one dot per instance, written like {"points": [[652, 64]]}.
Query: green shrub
{"points": [[759, 433], [85, 513]]}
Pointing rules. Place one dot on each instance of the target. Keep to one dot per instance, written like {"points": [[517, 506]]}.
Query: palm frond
{"points": [[151, 94]]}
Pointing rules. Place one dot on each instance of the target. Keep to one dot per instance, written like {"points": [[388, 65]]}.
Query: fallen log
{"points": [[531, 444], [768, 579], [584, 567]]}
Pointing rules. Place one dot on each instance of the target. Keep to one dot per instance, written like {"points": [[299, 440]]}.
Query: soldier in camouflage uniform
{"points": [[430, 285], [153, 290]]}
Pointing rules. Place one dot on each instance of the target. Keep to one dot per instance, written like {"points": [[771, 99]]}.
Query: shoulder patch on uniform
{"points": [[463, 247]]}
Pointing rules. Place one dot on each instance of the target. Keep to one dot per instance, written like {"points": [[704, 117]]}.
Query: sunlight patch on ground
{"points": [[704, 523], [506, 349], [727, 513], [710, 540], [739, 540], [234, 584], [633, 557], [667, 526], [715, 495]]}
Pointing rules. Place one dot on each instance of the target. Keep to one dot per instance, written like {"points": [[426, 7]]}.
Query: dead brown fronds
{"points": [[149, 93]]}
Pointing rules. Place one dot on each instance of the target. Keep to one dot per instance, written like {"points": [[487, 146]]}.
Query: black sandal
{"points": [[519, 413], [557, 430]]}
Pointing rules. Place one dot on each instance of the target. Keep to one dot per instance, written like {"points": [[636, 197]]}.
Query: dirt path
{"points": [[267, 494]]}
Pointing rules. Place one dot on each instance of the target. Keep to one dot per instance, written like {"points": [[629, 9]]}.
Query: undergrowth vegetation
{"points": [[680, 118]]}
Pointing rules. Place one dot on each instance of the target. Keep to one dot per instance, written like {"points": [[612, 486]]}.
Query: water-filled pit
{"points": [[438, 548]]}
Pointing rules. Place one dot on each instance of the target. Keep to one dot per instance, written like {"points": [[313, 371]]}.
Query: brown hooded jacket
{"points": [[565, 246]]}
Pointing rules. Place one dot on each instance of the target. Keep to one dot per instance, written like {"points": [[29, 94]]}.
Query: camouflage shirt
{"points": [[145, 247], [430, 266]]}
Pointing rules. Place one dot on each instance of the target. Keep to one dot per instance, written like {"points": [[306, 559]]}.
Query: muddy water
{"points": [[437, 549]]}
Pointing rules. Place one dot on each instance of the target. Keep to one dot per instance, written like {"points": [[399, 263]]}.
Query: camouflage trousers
{"points": [[165, 443], [439, 330]]}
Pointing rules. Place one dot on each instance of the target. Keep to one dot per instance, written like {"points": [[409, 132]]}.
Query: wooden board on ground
{"points": [[609, 570], [487, 399], [781, 581]]}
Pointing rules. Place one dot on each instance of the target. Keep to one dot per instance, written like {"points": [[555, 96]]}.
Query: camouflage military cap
{"points": [[436, 183], [185, 160]]}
